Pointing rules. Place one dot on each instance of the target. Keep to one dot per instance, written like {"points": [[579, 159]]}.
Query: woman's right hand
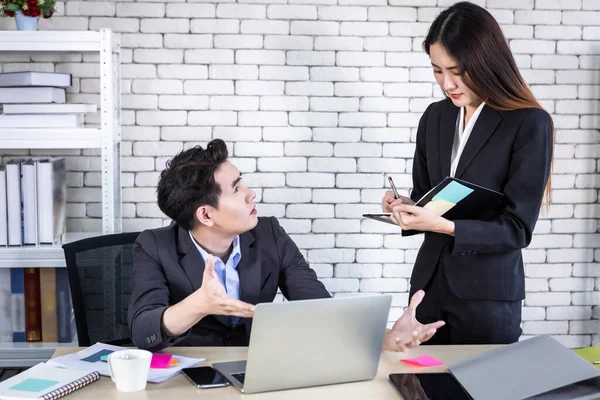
{"points": [[388, 202]]}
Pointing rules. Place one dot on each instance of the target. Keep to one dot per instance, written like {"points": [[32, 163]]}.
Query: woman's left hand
{"points": [[420, 219]]}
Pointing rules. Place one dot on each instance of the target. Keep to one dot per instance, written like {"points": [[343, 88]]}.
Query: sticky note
{"points": [[97, 356], [453, 192], [34, 385], [424, 361], [439, 207], [590, 354], [104, 358], [160, 360], [173, 362]]}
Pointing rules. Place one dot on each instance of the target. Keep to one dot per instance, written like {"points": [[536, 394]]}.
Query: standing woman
{"points": [[491, 131]]}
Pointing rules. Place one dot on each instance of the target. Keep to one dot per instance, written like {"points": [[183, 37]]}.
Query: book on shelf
{"points": [[13, 202], [33, 307], [52, 200], [32, 95], [5, 305], [46, 382], [17, 287], [48, 304], [29, 201], [35, 78], [41, 120], [3, 208], [67, 330], [50, 108]]}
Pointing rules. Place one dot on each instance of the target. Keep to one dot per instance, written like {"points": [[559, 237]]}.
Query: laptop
{"points": [[310, 343]]}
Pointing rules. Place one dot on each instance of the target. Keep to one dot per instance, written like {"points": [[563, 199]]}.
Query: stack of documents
{"points": [[90, 359]]}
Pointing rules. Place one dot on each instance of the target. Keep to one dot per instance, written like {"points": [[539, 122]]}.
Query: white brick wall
{"points": [[318, 101]]}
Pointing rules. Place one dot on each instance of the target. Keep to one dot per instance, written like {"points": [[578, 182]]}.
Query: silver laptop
{"points": [[311, 342]]}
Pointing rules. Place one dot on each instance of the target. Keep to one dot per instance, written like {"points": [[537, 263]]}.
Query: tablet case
{"points": [[454, 199], [457, 199]]}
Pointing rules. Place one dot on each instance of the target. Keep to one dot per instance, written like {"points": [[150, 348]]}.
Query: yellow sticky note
{"points": [[590, 354]]}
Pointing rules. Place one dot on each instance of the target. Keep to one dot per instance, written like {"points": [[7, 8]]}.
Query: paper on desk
{"points": [[424, 361], [158, 360], [590, 354], [76, 361]]}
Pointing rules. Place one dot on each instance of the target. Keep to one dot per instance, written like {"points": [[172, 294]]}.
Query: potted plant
{"points": [[27, 12]]}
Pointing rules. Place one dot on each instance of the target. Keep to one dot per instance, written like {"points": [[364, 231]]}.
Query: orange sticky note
{"points": [[173, 362], [424, 361]]}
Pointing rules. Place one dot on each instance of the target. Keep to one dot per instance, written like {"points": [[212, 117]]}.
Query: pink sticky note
{"points": [[424, 361], [160, 360]]}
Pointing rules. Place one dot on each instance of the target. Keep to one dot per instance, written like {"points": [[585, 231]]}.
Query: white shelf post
{"points": [[110, 98]]}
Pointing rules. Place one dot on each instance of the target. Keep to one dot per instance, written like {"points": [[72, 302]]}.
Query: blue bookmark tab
{"points": [[453, 192], [96, 356]]}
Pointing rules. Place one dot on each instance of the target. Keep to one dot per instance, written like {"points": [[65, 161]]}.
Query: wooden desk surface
{"points": [[179, 387]]}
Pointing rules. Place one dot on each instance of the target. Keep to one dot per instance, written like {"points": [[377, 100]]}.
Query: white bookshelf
{"points": [[41, 256], [59, 41], [106, 137], [28, 354], [58, 138]]}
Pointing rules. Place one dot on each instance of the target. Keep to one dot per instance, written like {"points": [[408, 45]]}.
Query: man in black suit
{"points": [[196, 281]]}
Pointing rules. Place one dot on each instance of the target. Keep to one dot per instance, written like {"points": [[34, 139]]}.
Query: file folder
{"points": [[539, 368]]}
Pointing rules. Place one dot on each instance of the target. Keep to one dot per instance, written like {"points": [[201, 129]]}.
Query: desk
{"points": [[180, 388]]}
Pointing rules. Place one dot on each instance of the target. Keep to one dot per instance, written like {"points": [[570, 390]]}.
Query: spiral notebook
{"points": [[46, 382]]}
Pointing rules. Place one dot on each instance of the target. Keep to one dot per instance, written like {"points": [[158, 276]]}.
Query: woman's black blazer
{"points": [[508, 151]]}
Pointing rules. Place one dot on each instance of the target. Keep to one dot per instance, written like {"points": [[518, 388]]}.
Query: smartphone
{"points": [[429, 386], [205, 377]]}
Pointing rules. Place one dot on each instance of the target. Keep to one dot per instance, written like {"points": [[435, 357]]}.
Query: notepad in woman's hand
{"points": [[453, 199], [457, 199], [46, 382]]}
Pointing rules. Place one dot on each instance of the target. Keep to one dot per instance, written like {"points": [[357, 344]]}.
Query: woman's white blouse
{"points": [[461, 135]]}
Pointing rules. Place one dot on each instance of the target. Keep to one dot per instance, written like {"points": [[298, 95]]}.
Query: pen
{"points": [[396, 195]]}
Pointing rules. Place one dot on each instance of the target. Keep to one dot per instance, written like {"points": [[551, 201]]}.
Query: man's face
{"points": [[236, 213]]}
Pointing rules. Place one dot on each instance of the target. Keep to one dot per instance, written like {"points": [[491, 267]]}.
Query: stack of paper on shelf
{"points": [[38, 100]]}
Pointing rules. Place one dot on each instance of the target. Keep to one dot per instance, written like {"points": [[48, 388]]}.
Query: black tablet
{"points": [[383, 217], [434, 386]]}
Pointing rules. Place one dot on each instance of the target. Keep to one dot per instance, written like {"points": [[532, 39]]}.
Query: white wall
{"points": [[317, 100]]}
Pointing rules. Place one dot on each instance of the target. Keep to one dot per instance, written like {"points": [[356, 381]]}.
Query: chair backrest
{"points": [[100, 270]]}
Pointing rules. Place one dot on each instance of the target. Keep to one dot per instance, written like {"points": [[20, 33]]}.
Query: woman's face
{"points": [[447, 75]]}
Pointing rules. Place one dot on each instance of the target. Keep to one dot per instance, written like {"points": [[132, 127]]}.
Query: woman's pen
{"points": [[396, 194]]}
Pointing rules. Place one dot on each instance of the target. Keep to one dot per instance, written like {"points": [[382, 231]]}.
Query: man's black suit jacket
{"points": [[507, 151], [168, 268]]}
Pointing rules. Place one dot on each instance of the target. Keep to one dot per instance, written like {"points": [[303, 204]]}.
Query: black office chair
{"points": [[100, 270]]}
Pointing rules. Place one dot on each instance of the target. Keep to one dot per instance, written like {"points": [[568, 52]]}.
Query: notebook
{"points": [[453, 199], [46, 382]]}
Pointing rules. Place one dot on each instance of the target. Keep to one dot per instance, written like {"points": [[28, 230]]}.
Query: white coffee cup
{"points": [[129, 369]]}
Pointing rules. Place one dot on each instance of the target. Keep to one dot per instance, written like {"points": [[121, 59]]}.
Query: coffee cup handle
{"points": [[110, 370]]}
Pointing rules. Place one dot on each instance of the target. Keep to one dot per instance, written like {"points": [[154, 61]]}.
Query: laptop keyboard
{"points": [[239, 376]]}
